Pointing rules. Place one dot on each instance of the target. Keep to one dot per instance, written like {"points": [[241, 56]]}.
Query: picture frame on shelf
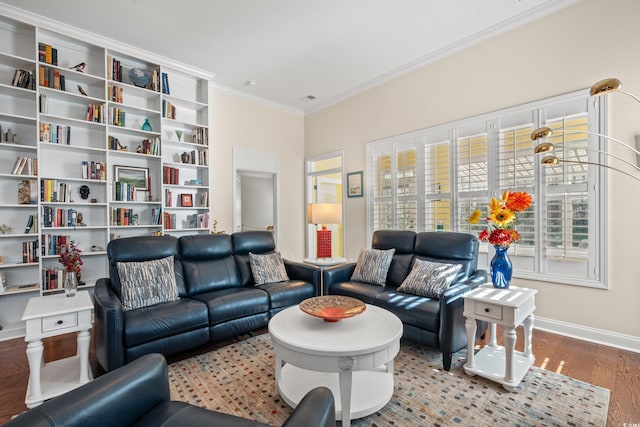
{"points": [[186, 200], [354, 184], [136, 176]]}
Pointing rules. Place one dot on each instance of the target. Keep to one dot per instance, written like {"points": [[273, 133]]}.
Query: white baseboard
{"points": [[585, 333]]}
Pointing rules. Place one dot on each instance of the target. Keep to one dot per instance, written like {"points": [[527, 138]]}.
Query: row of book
{"points": [[168, 110], [27, 192], [95, 113], [32, 225], [121, 216], [116, 93], [56, 134], [30, 252], [202, 220], [117, 116], [52, 190], [156, 216], [171, 175], [51, 78], [200, 136], [53, 278], [198, 157], [169, 221], [54, 244], [25, 166], [47, 54], [94, 170], [124, 191], [24, 79], [59, 217]]}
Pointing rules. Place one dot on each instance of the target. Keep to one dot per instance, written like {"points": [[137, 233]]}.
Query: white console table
{"points": [[49, 316], [510, 308]]}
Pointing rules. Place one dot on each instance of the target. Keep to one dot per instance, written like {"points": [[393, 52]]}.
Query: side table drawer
{"points": [[62, 321], [489, 310]]}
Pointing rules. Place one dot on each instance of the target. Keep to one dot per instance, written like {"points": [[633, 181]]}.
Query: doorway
{"points": [[255, 191]]}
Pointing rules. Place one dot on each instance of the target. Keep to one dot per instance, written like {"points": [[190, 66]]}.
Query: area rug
{"points": [[239, 379]]}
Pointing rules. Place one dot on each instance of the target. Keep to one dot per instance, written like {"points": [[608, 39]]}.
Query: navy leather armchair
{"points": [[138, 395]]}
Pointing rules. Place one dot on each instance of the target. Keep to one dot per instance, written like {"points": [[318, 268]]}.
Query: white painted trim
{"points": [[585, 333], [258, 100], [548, 8]]}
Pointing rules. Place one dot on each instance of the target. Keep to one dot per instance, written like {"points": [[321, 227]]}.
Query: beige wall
{"points": [[238, 122], [508, 70]]}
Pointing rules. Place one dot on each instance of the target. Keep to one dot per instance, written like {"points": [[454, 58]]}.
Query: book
{"points": [[29, 225]]}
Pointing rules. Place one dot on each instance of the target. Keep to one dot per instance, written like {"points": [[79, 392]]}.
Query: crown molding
{"points": [[258, 100], [49, 24], [548, 8]]}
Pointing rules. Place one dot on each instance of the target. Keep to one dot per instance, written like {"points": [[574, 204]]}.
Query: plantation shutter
{"points": [[382, 191], [437, 186], [472, 180], [516, 172], [407, 180]]}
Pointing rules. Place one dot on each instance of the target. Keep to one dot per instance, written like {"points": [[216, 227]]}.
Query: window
{"points": [[432, 179]]}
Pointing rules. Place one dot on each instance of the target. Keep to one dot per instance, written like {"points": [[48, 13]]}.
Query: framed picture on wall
{"points": [[186, 200], [139, 177], [354, 184]]}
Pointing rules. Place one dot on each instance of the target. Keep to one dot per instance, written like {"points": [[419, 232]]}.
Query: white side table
{"points": [[324, 262], [51, 316], [510, 308], [352, 357]]}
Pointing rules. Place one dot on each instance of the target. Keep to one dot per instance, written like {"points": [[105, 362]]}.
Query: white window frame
{"points": [[534, 264]]}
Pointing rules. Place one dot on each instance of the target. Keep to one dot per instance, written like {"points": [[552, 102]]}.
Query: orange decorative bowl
{"points": [[332, 308]]}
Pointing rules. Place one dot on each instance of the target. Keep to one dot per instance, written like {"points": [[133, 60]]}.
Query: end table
{"points": [[324, 262], [49, 316], [510, 308]]}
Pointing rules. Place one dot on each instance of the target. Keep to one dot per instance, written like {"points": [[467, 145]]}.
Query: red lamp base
{"points": [[323, 240]]}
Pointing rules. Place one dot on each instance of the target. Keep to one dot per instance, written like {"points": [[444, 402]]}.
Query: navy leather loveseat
{"points": [[436, 323], [218, 297], [138, 395]]}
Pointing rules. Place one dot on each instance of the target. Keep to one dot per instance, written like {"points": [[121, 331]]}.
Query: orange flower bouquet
{"points": [[501, 218]]}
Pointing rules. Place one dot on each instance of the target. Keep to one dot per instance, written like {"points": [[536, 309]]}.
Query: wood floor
{"points": [[616, 370]]}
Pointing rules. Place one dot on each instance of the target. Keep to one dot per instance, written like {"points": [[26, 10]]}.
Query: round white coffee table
{"points": [[352, 357]]}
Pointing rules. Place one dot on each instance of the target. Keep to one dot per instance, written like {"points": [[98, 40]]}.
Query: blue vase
{"points": [[501, 268], [146, 125]]}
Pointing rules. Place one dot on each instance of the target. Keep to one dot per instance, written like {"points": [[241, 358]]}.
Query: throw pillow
{"points": [[267, 268], [429, 279], [372, 266], [146, 283]]}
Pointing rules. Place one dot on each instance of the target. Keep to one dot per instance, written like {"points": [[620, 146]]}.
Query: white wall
{"points": [[594, 40], [238, 122]]}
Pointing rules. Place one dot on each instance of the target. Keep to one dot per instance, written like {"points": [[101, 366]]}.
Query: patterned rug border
{"points": [[238, 379]]}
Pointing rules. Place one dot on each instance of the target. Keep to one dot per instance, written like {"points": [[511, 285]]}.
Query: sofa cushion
{"points": [[365, 292], [147, 283], [267, 268], [288, 293], [372, 266], [451, 247], [429, 279], [257, 242], [149, 324], [415, 310], [403, 242], [234, 303]]}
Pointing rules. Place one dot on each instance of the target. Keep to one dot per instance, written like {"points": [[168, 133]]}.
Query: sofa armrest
{"points": [[317, 408], [336, 274], [108, 326], [305, 272], [117, 398]]}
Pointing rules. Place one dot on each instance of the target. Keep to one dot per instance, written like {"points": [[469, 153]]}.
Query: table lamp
{"points": [[324, 213]]}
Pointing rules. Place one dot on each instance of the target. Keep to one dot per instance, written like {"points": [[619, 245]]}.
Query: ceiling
{"points": [[293, 49]]}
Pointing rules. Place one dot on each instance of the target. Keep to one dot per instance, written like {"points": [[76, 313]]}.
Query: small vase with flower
{"points": [[70, 257]]}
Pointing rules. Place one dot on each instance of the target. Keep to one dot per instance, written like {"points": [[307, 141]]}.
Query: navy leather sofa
{"points": [[218, 296], [436, 323], [138, 395]]}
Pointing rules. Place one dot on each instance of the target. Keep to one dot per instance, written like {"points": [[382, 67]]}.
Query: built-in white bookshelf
{"points": [[75, 132]]}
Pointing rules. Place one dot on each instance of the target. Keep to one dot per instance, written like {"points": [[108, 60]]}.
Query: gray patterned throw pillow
{"points": [[429, 279], [147, 283], [372, 266], [267, 268]]}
